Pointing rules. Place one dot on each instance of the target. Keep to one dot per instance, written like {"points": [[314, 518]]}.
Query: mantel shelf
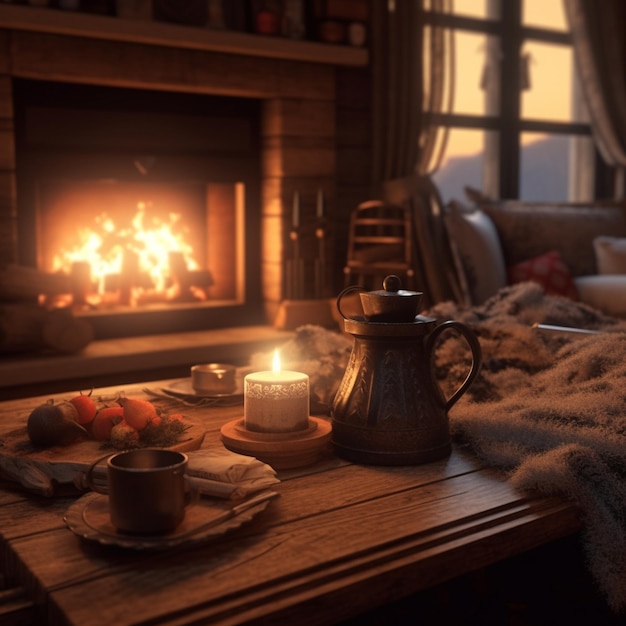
{"points": [[157, 33]]}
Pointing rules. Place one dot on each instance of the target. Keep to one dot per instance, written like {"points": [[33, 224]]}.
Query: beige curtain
{"points": [[410, 76], [397, 83], [599, 38]]}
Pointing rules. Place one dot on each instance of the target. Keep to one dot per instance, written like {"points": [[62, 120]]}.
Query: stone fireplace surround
{"points": [[295, 82]]}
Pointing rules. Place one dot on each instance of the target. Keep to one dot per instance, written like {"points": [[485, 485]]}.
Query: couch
{"points": [[574, 250]]}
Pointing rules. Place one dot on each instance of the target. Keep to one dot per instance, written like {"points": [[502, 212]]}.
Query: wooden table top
{"points": [[341, 539]]}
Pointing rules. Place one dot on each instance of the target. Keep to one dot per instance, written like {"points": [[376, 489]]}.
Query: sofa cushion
{"points": [[549, 270], [528, 229], [610, 254], [605, 292], [475, 241]]}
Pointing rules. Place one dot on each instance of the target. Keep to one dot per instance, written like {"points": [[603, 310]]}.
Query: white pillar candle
{"points": [[276, 401]]}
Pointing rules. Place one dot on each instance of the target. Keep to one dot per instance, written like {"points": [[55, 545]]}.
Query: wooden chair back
{"points": [[379, 244]]}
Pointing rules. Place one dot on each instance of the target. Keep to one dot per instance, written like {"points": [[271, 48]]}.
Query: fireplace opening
{"points": [[149, 202], [135, 244]]}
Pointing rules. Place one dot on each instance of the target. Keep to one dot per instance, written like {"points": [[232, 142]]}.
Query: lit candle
{"points": [[276, 401], [295, 218], [320, 203]]}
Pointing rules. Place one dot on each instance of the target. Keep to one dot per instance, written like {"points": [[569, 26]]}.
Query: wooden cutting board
{"points": [[60, 470]]}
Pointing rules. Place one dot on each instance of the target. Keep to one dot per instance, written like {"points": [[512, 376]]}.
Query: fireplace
{"points": [[148, 201], [296, 90]]}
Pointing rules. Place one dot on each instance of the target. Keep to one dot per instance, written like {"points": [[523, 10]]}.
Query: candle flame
{"points": [[276, 361]]}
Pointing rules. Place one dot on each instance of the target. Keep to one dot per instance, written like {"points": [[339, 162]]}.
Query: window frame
{"points": [[502, 164]]}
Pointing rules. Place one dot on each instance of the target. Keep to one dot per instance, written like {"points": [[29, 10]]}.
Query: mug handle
{"points": [[341, 295], [474, 346], [90, 479]]}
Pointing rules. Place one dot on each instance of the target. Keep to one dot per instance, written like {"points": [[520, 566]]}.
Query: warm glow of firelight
{"points": [[146, 244]]}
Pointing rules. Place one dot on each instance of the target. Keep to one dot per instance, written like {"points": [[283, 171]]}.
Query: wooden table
{"points": [[341, 539]]}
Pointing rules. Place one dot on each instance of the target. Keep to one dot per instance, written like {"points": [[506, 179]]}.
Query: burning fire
{"points": [[145, 255]]}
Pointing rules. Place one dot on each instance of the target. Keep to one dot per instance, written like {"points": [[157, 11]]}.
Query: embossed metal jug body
{"points": [[389, 409]]}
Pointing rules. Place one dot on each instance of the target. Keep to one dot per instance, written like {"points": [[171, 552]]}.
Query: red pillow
{"points": [[549, 270]]}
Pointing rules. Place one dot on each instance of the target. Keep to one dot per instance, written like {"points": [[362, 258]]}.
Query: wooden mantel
{"points": [[172, 35]]}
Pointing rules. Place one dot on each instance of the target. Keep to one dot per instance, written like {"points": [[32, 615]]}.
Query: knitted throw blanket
{"points": [[550, 408], [547, 407]]}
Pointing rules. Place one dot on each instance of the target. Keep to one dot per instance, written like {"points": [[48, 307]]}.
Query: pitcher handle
{"points": [[474, 346], [343, 293]]}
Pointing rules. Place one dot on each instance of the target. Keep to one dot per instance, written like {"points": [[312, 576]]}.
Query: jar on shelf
{"points": [[267, 18]]}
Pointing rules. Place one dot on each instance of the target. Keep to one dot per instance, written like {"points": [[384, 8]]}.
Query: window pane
{"points": [[476, 65], [462, 165], [471, 73], [544, 13], [544, 167], [548, 92], [479, 9], [471, 8]]}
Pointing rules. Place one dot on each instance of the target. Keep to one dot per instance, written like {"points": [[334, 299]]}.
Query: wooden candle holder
{"points": [[284, 450]]}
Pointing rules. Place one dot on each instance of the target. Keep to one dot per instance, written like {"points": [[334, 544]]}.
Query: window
{"points": [[516, 126]]}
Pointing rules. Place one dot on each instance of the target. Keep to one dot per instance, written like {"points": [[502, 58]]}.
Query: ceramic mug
{"points": [[213, 378], [147, 489]]}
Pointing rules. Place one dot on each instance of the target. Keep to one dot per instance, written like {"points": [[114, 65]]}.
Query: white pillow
{"points": [[605, 292], [475, 237], [610, 254]]}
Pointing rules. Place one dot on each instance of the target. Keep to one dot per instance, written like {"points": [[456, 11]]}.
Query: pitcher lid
{"points": [[392, 287], [390, 304]]}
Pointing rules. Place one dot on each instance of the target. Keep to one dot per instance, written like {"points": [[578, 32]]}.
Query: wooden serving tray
{"points": [[60, 470]]}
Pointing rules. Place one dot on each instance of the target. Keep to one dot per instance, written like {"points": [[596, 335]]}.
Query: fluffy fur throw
{"points": [[550, 408], [547, 407]]}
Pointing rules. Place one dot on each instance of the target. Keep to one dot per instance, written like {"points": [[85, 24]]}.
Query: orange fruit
{"points": [[86, 408], [103, 422], [138, 413]]}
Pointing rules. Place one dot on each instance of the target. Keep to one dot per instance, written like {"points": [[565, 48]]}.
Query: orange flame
{"points": [[104, 248]]}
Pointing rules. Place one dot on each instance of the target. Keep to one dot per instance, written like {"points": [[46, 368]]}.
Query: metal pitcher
{"points": [[389, 409]]}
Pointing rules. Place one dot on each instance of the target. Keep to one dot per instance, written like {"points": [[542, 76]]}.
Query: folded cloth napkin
{"points": [[227, 474], [220, 473]]}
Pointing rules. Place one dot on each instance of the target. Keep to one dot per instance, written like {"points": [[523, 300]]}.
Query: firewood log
{"points": [[22, 283], [25, 328]]}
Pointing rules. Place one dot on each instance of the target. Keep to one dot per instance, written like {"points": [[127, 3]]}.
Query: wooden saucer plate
{"points": [[89, 519]]}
